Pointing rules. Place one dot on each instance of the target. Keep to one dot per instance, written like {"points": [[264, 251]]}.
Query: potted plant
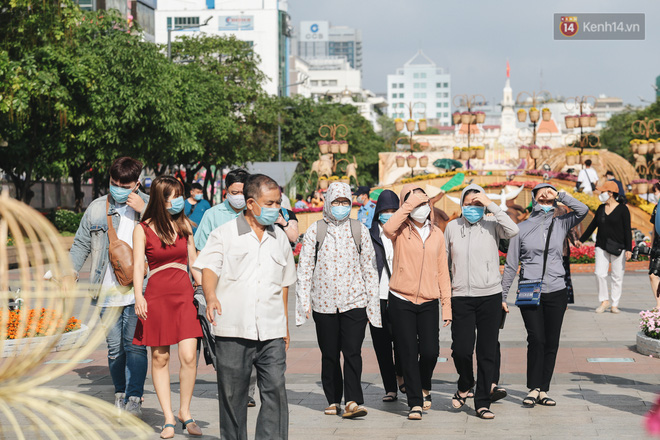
{"points": [[522, 116], [398, 124], [652, 146], [323, 182], [344, 179], [343, 147], [466, 118], [481, 117], [422, 125], [480, 152], [465, 154], [585, 120], [642, 185], [410, 125], [334, 147], [534, 151], [546, 114], [593, 120], [423, 161], [457, 153], [634, 145], [400, 161], [571, 121], [523, 152], [648, 337], [545, 151], [534, 114], [412, 160], [571, 157], [324, 147], [456, 117], [642, 147]]}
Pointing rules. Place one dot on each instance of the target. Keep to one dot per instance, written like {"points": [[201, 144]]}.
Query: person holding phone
{"points": [[472, 242], [288, 222]]}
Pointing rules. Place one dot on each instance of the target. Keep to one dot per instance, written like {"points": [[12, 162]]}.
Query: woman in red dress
{"points": [[166, 310]]}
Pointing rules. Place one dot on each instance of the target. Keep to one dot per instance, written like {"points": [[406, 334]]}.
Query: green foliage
{"points": [[67, 221], [617, 134]]}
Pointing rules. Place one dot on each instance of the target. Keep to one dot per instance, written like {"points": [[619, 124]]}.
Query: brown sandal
{"points": [[354, 410], [191, 426], [333, 410]]}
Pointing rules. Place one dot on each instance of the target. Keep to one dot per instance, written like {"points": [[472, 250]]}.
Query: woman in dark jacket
{"points": [[390, 371], [613, 244]]}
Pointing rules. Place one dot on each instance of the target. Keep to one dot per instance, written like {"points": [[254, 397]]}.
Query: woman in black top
{"points": [[613, 244], [655, 245]]}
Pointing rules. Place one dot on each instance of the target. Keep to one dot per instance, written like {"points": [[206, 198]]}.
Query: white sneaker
{"points": [[134, 406], [120, 400]]}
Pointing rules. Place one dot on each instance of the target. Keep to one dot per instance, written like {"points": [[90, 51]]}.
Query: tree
{"points": [[617, 134]]}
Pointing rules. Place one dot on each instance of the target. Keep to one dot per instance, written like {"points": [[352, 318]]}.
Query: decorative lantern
{"points": [[570, 121], [571, 159], [593, 120], [423, 161], [410, 125], [334, 147], [533, 114], [412, 161], [324, 147], [642, 148], [522, 115], [546, 114], [585, 120], [535, 152], [481, 117], [323, 183], [400, 161], [523, 152], [473, 152], [398, 124], [481, 153], [465, 154], [457, 153], [466, 117], [422, 125], [343, 147], [456, 116]]}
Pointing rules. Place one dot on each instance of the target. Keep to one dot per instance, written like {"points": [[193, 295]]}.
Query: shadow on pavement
{"points": [[622, 402]]}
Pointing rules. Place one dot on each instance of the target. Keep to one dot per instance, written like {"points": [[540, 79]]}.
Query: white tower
{"points": [[508, 118]]}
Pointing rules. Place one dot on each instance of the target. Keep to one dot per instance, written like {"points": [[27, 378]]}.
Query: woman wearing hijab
{"points": [[390, 369], [613, 244], [338, 285], [472, 248], [543, 321], [420, 283]]}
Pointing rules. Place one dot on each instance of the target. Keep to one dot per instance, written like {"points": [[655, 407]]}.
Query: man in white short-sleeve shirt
{"points": [[247, 267]]}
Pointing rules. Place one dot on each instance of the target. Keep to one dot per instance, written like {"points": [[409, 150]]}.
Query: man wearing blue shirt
{"points": [[366, 211], [195, 205], [224, 212]]}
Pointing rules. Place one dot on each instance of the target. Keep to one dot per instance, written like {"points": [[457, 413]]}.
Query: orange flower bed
{"points": [[42, 323]]}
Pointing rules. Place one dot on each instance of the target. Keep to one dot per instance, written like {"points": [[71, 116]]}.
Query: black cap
{"points": [[361, 190]]}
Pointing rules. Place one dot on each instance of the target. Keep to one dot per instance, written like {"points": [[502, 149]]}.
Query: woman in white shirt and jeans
{"points": [[390, 369]]}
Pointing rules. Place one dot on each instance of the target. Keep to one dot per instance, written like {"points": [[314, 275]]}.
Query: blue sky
{"points": [[472, 40]]}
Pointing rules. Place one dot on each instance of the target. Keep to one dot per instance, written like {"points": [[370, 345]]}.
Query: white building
{"points": [[262, 23], [421, 83], [319, 39]]}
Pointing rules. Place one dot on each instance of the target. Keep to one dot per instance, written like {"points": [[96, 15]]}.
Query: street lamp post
{"points": [[410, 126], [535, 115], [591, 140], [170, 30], [470, 118]]}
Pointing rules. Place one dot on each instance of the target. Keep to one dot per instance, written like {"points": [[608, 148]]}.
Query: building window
{"points": [[416, 85], [438, 115], [445, 85], [394, 86], [446, 115], [438, 104], [400, 95], [446, 104], [438, 85], [393, 95], [415, 75], [400, 85], [445, 95], [422, 75], [438, 95], [402, 105], [181, 22], [423, 85]]}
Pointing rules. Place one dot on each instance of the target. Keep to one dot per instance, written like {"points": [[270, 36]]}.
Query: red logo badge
{"points": [[568, 26]]}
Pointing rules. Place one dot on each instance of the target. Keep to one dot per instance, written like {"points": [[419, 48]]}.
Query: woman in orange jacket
{"points": [[420, 284]]}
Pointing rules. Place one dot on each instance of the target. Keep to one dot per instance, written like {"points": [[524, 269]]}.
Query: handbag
{"points": [[529, 291], [120, 254], [593, 185], [613, 247]]}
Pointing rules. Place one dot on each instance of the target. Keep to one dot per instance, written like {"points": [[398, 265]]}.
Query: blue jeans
{"points": [[128, 362]]}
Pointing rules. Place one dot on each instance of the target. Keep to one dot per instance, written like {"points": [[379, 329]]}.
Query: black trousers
{"points": [[483, 314], [416, 331], [341, 333], [389, 365], [543, 324]]}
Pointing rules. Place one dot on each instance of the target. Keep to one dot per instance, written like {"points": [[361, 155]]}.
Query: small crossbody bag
{"points": [[529, 291]]}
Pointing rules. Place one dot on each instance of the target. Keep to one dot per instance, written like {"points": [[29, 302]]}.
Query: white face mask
{"points": [[237, 201], [604, 197], [421, 213]]}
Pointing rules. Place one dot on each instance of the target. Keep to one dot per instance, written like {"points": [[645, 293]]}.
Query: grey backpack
{"points": [[322, 229]]}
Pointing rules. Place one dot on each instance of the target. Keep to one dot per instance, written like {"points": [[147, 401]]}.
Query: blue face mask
{"points": [[198, 197], [473, 213], [177, 206], [268, 216], [547, 208], [384, 217], [340, 212], [119, 194]]}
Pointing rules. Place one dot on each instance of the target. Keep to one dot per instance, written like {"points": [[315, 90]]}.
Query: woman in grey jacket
{"points": [[472, 242], [543, 322]]}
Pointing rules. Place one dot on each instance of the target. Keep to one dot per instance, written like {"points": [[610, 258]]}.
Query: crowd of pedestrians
{"points": [[394, 270]]}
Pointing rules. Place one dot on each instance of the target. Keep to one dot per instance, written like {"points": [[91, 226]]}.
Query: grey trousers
{"points": [[236, 356]]}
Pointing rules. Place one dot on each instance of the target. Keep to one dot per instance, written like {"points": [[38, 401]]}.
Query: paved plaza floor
{"points": [[594, 399]]}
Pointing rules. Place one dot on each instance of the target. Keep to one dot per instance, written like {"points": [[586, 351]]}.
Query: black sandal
{"points": [[497, 394], [459, 399], [427, 400], [530, 400], [414, 412], [546, 401], [483, 414], [390, 398], [402, 388]]}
